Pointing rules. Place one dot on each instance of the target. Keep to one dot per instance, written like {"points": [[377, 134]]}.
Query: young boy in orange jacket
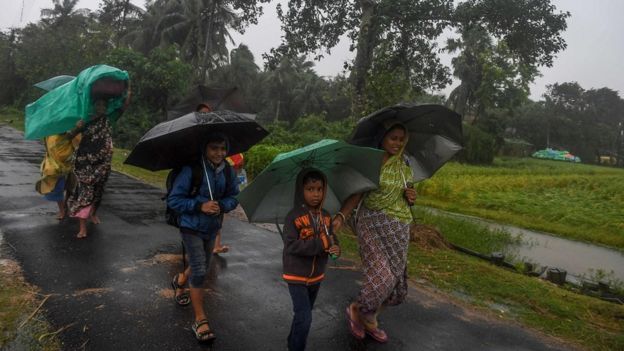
{"points": [[308, 240]]}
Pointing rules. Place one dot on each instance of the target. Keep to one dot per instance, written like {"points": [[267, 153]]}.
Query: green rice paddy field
{"points": [[576, 201]]}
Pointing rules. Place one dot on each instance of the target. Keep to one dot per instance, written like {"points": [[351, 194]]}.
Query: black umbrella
{"points": [[179, 142], [435, 134], [217, 98]]}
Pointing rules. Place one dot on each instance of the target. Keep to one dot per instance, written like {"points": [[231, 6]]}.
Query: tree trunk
{"points": [[122, 23], [208, 42], [277, 110], [363, 58]]}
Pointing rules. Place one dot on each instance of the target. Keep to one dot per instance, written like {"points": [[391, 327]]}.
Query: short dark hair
{"points": [[396, 126], [216, 138], [313, 176]]}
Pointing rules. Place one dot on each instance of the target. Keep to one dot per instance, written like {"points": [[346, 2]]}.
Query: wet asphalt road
{"points": [[112, 290]]}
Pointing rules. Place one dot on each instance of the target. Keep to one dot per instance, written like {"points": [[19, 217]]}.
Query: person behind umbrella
{"points": [[308, 239], [218, 247], [201, 214], [383, 224], [92, 166], [56, 166]]}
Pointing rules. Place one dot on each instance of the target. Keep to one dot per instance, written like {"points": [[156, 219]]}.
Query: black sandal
{"points": [[204, 336], [183, 299]]}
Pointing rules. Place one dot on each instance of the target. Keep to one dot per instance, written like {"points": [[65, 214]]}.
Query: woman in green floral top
{"points": [[383, 224]]}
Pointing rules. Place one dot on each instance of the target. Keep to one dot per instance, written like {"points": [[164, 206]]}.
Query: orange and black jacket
{"points": [[305, 244]]}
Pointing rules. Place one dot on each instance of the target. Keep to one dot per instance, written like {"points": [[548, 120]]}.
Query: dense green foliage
{"points": [[588, 123], [478, 146], [171, 45]]}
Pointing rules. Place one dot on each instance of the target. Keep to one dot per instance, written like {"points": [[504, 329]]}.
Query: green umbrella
{"points": [[54, 82], [59, 109], [349, 169]]}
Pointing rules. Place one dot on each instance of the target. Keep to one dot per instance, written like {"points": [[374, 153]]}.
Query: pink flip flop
{"points": [[377, 334], [356, 329]]}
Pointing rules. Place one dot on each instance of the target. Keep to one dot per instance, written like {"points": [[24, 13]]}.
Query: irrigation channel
{"points": [[576, 258]]}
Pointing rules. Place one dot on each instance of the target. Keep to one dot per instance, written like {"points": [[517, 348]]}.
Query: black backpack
{"points": [[171, 216]]}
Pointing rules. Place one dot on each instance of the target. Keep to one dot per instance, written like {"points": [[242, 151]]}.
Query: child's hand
{"points": [[334, 250], [211, 208]]}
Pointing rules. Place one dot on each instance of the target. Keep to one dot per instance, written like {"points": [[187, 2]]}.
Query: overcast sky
{"points": [[594, 57]]}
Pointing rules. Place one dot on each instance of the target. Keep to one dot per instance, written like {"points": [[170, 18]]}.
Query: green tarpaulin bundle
{"points": [[58, 111], [558, 155]]}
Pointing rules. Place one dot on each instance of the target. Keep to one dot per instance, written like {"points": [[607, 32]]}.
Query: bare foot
{"points": [[95, 219], [60, 216], [81, 235], [221, 249]]}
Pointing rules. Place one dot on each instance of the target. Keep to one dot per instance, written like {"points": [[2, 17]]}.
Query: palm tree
{"points": [[148, 34], [201, 29], [121, 16], [241, 71], [290, 84], [64, 11]]}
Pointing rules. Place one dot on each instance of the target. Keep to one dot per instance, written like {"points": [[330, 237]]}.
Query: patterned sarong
{"points": [[92, 166], [383, 243]]}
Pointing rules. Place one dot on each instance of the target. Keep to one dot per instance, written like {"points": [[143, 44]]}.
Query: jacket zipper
{"points": [[316, 236]]}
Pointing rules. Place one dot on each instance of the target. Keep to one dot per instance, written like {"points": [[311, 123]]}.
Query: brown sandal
{"points": [[203, 336], [183, 299]]}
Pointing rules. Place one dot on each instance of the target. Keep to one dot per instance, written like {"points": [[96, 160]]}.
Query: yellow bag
{"points": [[58, 160]]}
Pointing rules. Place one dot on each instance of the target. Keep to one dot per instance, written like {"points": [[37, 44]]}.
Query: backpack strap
{"points": [[196, 179], [229, 173]]}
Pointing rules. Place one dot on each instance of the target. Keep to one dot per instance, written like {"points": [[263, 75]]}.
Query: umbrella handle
{"points": [[331, 241], [207, 179], [404, 181]]}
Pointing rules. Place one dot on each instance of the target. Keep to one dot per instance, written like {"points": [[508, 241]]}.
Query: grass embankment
{"points": [[12, 117], [576, 201], [22, 324], [156, 179]]}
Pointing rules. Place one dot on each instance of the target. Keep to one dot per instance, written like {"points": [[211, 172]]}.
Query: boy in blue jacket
{"points": [[201, 210], [308, 240]]}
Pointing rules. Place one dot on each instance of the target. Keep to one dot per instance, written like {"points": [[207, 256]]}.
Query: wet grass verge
{"points": [[576, 201], [22, 322], [12, 117], [156, 179]]}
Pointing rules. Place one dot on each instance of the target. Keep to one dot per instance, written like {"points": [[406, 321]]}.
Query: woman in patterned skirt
{"points": [[92, 166], [382, 227]]}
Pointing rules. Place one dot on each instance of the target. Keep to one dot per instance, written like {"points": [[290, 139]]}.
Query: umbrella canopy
{"points": [[349, 170], [218, 99], [179, 142], [435, 134], [58, 110], [54, 82]]}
